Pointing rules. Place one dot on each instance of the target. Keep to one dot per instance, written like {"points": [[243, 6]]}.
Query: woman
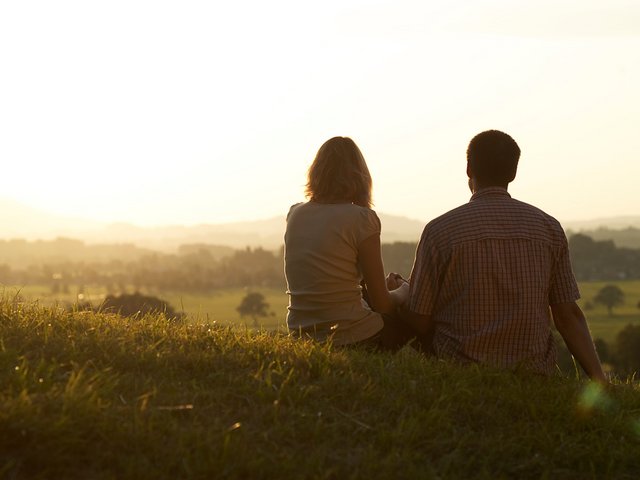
{"points": [[331, 243]]}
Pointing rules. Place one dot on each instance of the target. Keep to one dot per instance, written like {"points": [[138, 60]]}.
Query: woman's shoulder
{"points": [[293, 208], [362, 219], [347, 211], [367, 213], [370, 220]]}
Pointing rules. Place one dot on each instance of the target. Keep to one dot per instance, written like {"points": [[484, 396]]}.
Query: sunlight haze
{"points": [[166, 112]]}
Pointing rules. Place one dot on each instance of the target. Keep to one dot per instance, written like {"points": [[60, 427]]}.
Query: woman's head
{"points": [[339, 174]]}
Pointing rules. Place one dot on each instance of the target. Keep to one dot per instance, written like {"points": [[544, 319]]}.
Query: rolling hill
{"points": [[20, 221]]}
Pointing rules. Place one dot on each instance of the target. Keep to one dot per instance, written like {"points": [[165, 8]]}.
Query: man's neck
{"points": [[476, 185]]}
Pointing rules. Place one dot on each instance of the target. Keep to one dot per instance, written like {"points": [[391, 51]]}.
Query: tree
{"points": [[610, 296], [254, 305], [627, 352]]}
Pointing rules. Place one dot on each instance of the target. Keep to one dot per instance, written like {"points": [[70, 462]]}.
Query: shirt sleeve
{"points": [[369, 225], [425, 276], [292, 208], [564, 288]]}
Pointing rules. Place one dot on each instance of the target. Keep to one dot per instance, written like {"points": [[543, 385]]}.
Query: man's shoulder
{"points": [[442, 227], [448, 218], [474, 219], [538, 213]]}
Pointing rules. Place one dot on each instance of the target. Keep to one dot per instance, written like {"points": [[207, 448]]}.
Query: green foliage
{"points": [[604, 352], [136, 305], [602, 260], [86, 395], [253, 305], [610, 296], [194, 269], [622, 237], [398, 257], [627, 350]]}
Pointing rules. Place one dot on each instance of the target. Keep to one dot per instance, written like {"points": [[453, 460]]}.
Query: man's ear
{"points": [[469, 170]]}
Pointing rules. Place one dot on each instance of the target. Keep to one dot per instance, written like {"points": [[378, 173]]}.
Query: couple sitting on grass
{"points": [[487, 277]]}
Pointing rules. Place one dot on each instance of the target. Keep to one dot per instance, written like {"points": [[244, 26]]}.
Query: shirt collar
{"points": [[490, 191]]}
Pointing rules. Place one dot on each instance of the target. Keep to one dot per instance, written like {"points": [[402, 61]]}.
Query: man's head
{"points": [[492, 159]]}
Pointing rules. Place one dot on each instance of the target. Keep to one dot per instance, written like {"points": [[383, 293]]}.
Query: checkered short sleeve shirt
{"points": [[487, 272]]}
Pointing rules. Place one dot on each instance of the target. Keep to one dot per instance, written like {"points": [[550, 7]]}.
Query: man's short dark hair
{"points": [[493, 157]]}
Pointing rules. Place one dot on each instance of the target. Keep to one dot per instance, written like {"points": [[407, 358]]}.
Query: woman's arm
{"points": [[370, 260]]}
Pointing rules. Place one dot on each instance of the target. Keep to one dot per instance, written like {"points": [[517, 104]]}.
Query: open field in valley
{"points": [[220, 306]]}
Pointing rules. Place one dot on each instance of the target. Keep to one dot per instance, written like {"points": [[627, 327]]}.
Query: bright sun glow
{"points": [[159, 112]]}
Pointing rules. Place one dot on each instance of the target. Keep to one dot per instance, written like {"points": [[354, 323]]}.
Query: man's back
{"points": [[487, 272]]}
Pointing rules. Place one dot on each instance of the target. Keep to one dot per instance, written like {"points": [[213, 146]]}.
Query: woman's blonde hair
{"points": [[339, 174]]}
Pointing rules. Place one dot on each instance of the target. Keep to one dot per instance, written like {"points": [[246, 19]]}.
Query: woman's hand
{"points": [[394, 280], [385, 294]]}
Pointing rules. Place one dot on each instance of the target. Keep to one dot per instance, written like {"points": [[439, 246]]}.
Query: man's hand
{"points": [[571, 324]]}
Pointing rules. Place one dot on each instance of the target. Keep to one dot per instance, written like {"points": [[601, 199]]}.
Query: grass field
{"points": [[96, 396], [220, 306]]}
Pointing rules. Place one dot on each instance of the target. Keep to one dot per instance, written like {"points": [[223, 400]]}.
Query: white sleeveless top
{"points": [[322, 273]]}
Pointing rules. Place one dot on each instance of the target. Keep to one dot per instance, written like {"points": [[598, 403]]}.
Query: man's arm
{"points": [[571, 324], [421, 324]]}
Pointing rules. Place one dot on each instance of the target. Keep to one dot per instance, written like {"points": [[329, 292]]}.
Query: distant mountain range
{"points": [[19, 221], [267, 233], [611, 223]]}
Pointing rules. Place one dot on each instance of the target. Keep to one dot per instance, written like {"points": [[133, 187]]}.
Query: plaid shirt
{"points": [[487, 272]]}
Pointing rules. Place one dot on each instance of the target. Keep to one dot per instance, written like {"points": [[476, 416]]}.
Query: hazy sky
{"points": [[159, 112]]}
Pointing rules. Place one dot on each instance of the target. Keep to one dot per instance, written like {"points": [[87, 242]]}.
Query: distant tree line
{"points": [[602, 260], [20, 253], [592, 260], [201, 268], [190, 270], [625, 237]]}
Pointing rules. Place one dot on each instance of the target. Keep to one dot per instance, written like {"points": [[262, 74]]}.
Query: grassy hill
{"points": [[96, 396]]}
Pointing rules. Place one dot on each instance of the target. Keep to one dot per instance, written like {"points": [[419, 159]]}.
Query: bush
{"points": [[130, 305], [627, 350], [603, 350]]}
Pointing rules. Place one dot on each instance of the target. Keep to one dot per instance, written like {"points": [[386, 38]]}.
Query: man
{"points": [[488, 274]]}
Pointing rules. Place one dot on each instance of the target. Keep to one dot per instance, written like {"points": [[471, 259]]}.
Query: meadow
{"points": [[601, 324], [97, 396], [220, 306]]}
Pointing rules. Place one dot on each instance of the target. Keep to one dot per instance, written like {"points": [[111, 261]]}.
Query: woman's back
{"points": [[321, 267]]}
